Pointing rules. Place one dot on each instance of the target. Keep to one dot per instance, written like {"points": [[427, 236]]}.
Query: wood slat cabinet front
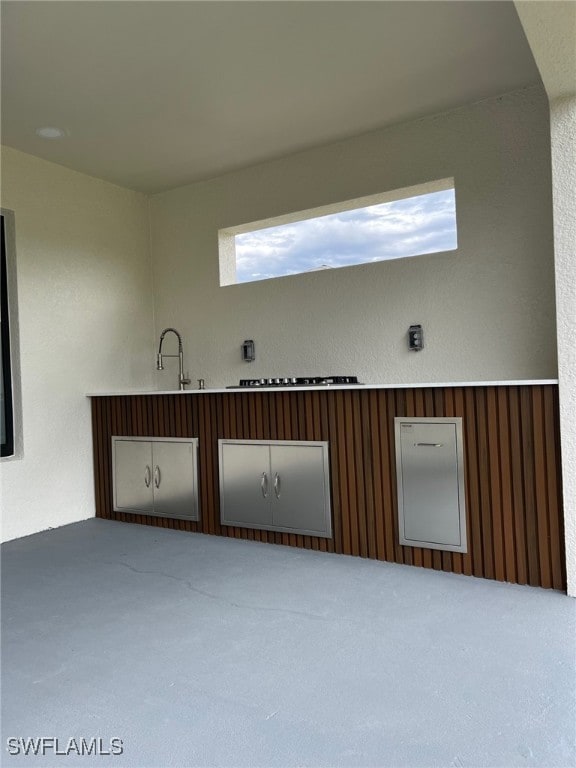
{"points": [[511, 446]]}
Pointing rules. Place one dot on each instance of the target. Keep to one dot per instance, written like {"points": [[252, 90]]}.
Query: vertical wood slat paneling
{"points": [[512, 473], [506, 486], [529, 487], [541, 490], [377, 488], [557, 560], [493, 443], [483, 470], [518, 487]]}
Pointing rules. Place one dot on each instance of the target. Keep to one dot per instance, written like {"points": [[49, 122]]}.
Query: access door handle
{"points": [[157, 476], [429, 445], [277, 488], [264, 485], [147, 476]]}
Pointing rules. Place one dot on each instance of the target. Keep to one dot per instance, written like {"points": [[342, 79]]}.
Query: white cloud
{"points": [[423, 224]]}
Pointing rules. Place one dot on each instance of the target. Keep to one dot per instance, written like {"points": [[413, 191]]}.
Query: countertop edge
{"points": [[250, 390]]}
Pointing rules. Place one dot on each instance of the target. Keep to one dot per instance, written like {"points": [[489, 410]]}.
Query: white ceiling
{"points": [[154, 95]]}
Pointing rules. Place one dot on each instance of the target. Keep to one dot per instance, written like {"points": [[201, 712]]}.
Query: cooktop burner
{"points": [[305, 381]]}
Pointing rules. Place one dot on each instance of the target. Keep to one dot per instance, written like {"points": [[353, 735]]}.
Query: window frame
{"points": [[12, 448]]}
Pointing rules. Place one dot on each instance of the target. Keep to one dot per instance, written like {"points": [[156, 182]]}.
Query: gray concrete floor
{"points": [[203, 651]]}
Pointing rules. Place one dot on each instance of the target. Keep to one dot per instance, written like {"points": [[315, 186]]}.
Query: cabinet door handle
{"points": [[157, 476], [277, 488], [264, 485], [147, 476], [429, 445]]}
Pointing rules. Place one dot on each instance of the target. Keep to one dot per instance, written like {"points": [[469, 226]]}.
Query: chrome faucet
{"points": [[182, 380]]}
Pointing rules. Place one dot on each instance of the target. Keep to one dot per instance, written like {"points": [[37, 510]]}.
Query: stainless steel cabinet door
{"points": [[245, 485], [174, 480], [430, 484], [299, 490], [133, 476]]}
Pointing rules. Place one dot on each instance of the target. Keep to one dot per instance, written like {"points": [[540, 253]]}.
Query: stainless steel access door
{"points": [[245, 484], [300, 488], [174, 479], [431, 500], [156, 476]]}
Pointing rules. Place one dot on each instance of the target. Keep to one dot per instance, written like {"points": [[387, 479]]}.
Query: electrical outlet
{"points": [[415, 338]]}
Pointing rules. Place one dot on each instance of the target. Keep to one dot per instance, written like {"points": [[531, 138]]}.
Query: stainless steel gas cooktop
{"points": [[293, 381]]}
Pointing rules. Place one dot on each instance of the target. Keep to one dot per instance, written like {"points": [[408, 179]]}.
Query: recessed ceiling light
{"points": [[50, 132]]}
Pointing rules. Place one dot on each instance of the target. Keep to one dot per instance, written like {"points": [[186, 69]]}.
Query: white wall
{"points": [[488, 308], [85, 311], [563, 124], [551, 30]]}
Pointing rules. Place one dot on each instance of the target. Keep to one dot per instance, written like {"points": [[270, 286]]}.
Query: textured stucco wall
{"points": [[487, 308], [563, 133], [85, 316], [551, 30]]}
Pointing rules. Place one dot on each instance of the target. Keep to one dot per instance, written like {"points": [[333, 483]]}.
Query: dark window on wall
{"points": [[6, 394]]}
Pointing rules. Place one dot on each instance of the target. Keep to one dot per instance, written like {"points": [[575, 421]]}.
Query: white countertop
{"points": [[416, 385]]}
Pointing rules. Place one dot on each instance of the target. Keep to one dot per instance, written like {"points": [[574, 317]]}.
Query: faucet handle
{"points": [[183, 382]]}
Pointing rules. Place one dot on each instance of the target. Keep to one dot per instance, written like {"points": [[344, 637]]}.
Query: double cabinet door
{"points": [[275, 485], [156, 476]]}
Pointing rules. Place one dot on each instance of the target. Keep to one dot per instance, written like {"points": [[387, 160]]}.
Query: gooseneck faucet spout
{"points": [[182, 380]]}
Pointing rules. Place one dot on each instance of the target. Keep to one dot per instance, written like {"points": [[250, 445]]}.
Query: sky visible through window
{"points": [[402, 228]]}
